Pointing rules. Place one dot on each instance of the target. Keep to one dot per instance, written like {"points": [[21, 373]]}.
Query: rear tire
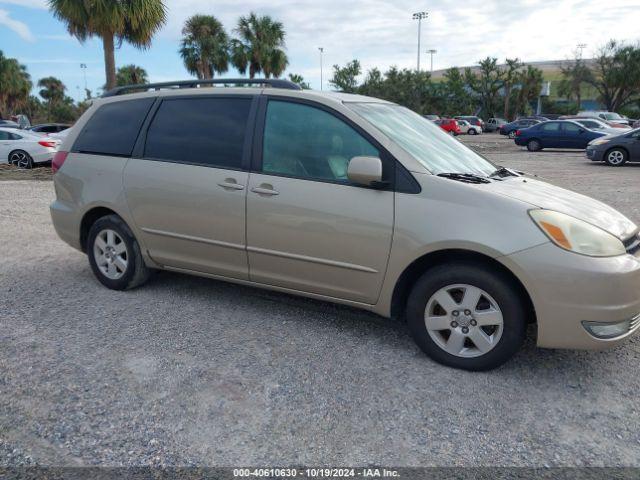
{"points": [[472, 131], [616, 157], [114, 254], [512, 134], [20, 159], [484, 335], [534, 145]]}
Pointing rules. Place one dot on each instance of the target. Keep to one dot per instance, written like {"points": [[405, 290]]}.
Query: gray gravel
{"points": [[187, 371]]}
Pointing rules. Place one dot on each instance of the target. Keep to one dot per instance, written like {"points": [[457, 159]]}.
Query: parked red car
{"points": [[449, 125]]}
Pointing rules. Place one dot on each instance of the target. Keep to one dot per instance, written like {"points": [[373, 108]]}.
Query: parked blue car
{"points": [[556, 134]]}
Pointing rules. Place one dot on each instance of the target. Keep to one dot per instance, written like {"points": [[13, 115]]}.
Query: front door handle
{"points": [[265, 189], [231, 184]]}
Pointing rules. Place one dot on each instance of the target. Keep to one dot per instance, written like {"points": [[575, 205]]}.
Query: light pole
{"points": [[419, 16], [321, 52], [581, 47], [431, 51], [83, 66]]}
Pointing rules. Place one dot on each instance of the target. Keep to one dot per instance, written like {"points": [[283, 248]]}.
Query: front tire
{"points": [[472, 131], [114, 254], [466, 316], [616, 157], [512, 134]]}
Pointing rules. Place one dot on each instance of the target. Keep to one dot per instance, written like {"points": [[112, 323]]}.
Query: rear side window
{"points": [[201, 131], [113, 128], [551, 127]]}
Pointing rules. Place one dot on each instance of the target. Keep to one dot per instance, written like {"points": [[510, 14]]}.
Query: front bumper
{"points": [[568, 289], [594, 154]]}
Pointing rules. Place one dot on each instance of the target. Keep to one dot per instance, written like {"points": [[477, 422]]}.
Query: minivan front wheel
{"points": [[466, 316], [114, 254]]}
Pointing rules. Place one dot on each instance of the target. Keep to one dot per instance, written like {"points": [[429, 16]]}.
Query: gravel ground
{"points": [[189, 371]]}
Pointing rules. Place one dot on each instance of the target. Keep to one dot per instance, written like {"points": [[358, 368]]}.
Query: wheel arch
{"points": [[420, 265], [89, 218], [617, 147]]}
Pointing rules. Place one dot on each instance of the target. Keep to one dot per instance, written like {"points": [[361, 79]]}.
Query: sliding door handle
{"points": [[265, 189], [230, 184]]}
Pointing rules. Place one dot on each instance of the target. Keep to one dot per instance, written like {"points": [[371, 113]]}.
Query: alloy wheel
{"points": [[615, 157], [464, 320], [20, 159], [110, 253]]}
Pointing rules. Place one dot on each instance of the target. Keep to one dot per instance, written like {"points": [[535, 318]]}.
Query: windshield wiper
{"points": [[465, 177], [504, 172]]}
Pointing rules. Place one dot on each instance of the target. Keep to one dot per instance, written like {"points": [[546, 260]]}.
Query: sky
{"points": [[378, 33]]}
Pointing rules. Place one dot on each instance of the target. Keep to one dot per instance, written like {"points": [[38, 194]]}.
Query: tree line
{"points": [[506, 90]]}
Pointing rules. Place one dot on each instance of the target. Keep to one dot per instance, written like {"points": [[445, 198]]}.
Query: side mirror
{"points": [[365, 170]]}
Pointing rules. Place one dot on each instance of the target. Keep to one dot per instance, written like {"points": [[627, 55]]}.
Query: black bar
{"points": [[270, 82]]}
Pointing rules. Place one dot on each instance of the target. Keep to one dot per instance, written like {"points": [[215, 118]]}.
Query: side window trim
{"points": [[257, 151], [138, 151]]}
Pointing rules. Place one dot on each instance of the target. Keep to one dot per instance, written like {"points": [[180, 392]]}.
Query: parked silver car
{"points": [[347, 199]]}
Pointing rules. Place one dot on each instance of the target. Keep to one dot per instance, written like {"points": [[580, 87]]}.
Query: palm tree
{"points": [[52, 91], [299, 80], [259, 46], [131, 75], [573, 78], [513, 66], [133, 21], [205, 46], [15, 85]]}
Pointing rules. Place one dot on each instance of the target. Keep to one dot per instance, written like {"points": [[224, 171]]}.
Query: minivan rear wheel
{"points": [[114, 254], [465, 316]]}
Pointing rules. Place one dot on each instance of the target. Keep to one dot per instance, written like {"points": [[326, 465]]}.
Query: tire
{"points": [[616, 157], [452, 133], [472, 131], [499, 300], [121, 267], [533, 145], [20, 159], [512, 134]]}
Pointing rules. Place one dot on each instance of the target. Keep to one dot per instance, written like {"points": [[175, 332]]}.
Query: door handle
{"points": [[265, 189], [231, 184]]}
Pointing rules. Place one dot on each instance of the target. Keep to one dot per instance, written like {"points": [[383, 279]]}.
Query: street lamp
{"points": [[431, 51], [419, 16], [321, 52], [83, 66], [581, 46]]}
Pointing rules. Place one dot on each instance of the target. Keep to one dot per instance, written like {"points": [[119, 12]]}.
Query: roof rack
{"points": [[267, 82]]}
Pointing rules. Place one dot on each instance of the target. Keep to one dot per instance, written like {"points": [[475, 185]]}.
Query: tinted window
{"points": [[14, 136], [113, 128], [571, 128], [589, 124], [203, 131], [551, 127], [5, 135], [308, 142]]}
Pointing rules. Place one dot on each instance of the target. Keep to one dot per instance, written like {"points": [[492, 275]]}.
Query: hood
{"points": [[547, 196]]}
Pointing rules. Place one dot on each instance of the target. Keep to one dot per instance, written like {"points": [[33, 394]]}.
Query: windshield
{"points": [[423, 140]]}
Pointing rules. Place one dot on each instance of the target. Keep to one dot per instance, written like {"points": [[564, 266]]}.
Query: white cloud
{"points": [[27, 3], [18, 27]]}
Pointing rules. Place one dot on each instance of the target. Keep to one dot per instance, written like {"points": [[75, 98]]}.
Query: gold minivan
{"points": [[348, 199]]}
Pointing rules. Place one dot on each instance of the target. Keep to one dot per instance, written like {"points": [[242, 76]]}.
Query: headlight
{"points": [[576, 235], [598, 141]]}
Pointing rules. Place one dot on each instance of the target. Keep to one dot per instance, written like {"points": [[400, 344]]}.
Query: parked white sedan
{"points": [[468, 128], [24, 148], [600, 126]]}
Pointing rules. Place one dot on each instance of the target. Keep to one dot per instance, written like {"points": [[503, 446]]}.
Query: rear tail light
{"points": [[518, 133], [58, 160], [47, 143]]}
